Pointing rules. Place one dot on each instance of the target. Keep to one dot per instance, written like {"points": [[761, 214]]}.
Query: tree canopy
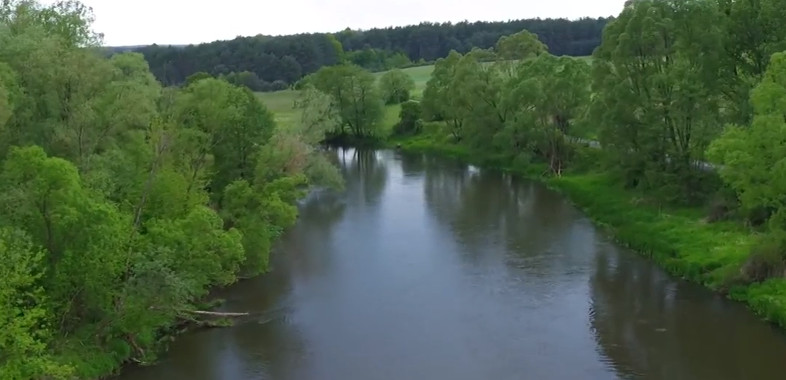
{"points": [[266, 63], [122, 202], [395, 86]]}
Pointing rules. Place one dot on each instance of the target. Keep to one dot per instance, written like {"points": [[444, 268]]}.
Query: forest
{"points": [[123, 202], [265, 63]]}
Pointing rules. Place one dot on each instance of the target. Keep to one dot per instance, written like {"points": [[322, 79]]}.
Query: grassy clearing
{"points": [[419, 74], [282, 103]]}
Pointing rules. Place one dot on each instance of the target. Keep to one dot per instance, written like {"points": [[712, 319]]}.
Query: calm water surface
{"points": [[430, 269]]}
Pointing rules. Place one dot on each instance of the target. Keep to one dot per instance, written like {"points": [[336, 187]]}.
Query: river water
{"points": [[425, 268]]}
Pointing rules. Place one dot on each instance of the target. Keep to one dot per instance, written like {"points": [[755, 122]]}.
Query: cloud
{"points": [[179, 22]]}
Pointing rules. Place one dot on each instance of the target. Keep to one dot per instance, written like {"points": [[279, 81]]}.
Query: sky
{"points": [[142, 22]]}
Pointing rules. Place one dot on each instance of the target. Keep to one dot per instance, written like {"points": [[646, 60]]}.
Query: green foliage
{"points": [[316, 115], [548, 94], [377, 59], [752, 32], [195, 77], [24, 312], [224, 126], [289, 58], [666, 79], [9, 92], [521, 45], [112, 222], [439, 101], [753, 157], [657, 92], [767, 259], [355, 98], [395, 86], [409, 119]]}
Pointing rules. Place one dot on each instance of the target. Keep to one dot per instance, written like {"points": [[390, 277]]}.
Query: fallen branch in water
{"points": [[202, 312], [216, 314]]}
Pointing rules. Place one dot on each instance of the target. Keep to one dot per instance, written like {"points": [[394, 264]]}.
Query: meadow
{"points": [[281, 103]]}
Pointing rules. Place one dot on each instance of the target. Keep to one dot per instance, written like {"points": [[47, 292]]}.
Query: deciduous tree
{"points": [[395, 86]]}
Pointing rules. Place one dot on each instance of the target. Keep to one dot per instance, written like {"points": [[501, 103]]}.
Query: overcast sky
{"points": [[136, 22]]}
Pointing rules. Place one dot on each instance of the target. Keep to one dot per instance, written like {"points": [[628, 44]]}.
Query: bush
{"points": [[722, 205], [767, 259], [409, 123], [279, 85]]}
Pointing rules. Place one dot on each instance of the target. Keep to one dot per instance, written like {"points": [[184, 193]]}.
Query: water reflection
{"points": [[651, 326], [484, 208], [426, 268], [365, 171]]}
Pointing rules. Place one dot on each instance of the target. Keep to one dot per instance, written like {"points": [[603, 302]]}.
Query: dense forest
{"points": [[122, 202], [266, 63]]}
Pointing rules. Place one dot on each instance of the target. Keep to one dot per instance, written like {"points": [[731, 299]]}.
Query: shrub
{"points": [[767, 259], [409, 123]]}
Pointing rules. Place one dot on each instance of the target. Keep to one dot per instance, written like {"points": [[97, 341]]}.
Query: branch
{"points": [[216, 314]]}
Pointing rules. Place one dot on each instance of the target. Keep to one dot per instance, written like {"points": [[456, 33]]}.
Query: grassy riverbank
{"points": [[678, 239]]}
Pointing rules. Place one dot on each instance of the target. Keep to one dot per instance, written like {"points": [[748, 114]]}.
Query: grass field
{"points": [[419, 74], [282, 103]]}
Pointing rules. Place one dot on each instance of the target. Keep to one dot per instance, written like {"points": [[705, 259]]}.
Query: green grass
{"points": [[282, 103], [419, 74], [678, 239]]}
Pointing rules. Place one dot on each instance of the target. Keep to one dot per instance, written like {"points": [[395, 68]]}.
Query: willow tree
{"points": [[752, 31], [438, 101], [655, 79], [548, 94], [521, 45], [395, 86], [355, 97]]}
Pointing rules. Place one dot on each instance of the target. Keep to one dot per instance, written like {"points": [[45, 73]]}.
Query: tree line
{"points": [[672, 84], [123, 202], [353, 100], [265, 63]]}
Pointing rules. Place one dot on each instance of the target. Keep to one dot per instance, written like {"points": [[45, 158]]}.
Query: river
{"points": [[425, 268]]}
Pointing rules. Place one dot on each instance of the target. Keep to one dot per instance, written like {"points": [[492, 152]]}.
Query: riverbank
{"points": [[678, 239]]}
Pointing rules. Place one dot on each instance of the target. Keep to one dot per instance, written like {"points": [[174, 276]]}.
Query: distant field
{"points": [[281, 103], [420, 75]]}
